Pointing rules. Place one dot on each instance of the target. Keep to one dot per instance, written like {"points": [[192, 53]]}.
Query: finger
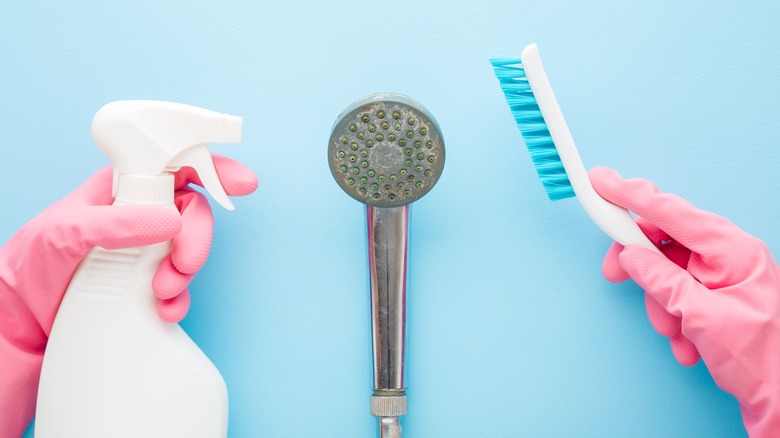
{"points": [[174, 309], [662, 321], [611, 268], [191, 246], [684, 350], [185, 176], [96, 190], [168, 281], [114, 227], [669, 326], [670, 285], [236, 179], [701, 231]]}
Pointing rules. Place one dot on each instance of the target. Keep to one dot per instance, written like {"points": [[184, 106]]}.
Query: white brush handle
{"points": [[613, 220]]}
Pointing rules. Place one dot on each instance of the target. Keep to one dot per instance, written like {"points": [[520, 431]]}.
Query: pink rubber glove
{"points": [[36, 265], [716, 293]]}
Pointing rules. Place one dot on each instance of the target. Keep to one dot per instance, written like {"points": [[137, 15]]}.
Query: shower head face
{"points": [[386, 150]]}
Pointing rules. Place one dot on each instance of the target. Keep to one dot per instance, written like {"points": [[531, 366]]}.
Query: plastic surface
{"points": [[35, 267], [112, 367], [529, 119], [148, 137], [613, 220], [720, 287]]}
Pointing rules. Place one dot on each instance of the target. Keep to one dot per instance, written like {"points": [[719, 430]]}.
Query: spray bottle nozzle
{"points": [[148, 138], [231, 128]]}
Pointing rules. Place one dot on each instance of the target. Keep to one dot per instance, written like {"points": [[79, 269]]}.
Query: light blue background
{"points": [[512, 329]]}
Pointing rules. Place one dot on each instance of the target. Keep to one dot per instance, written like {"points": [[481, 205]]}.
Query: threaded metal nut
{"points": [[388, 406]]}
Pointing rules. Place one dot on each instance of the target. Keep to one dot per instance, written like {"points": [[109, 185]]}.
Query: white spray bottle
{"points": [[112, 368]]}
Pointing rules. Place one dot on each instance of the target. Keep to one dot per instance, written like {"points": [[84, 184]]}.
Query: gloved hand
{"points": [[715, 294], [36, 265]]}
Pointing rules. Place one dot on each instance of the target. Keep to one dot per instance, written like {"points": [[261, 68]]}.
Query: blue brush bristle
{"points": [[528, 116]]}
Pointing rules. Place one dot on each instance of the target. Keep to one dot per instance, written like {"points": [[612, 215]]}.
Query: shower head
{"points": [[386, 150]]}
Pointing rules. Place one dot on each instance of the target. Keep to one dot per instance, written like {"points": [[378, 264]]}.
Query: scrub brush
{"points": [[552, 148]]}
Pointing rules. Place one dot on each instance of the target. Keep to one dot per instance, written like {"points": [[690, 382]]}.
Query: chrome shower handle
{"points": [[388, 237]]}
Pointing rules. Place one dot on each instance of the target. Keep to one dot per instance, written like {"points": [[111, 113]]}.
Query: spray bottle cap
{"points": [[149, 138]]}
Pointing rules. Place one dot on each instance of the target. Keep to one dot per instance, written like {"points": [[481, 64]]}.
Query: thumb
{"points": [[670, 285], [116, 226]]}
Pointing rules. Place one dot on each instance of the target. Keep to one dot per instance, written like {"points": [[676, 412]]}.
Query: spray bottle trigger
{"points": [[199, 158]]}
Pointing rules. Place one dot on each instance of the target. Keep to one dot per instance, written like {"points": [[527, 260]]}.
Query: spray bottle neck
{"points": [[145, 190]]}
